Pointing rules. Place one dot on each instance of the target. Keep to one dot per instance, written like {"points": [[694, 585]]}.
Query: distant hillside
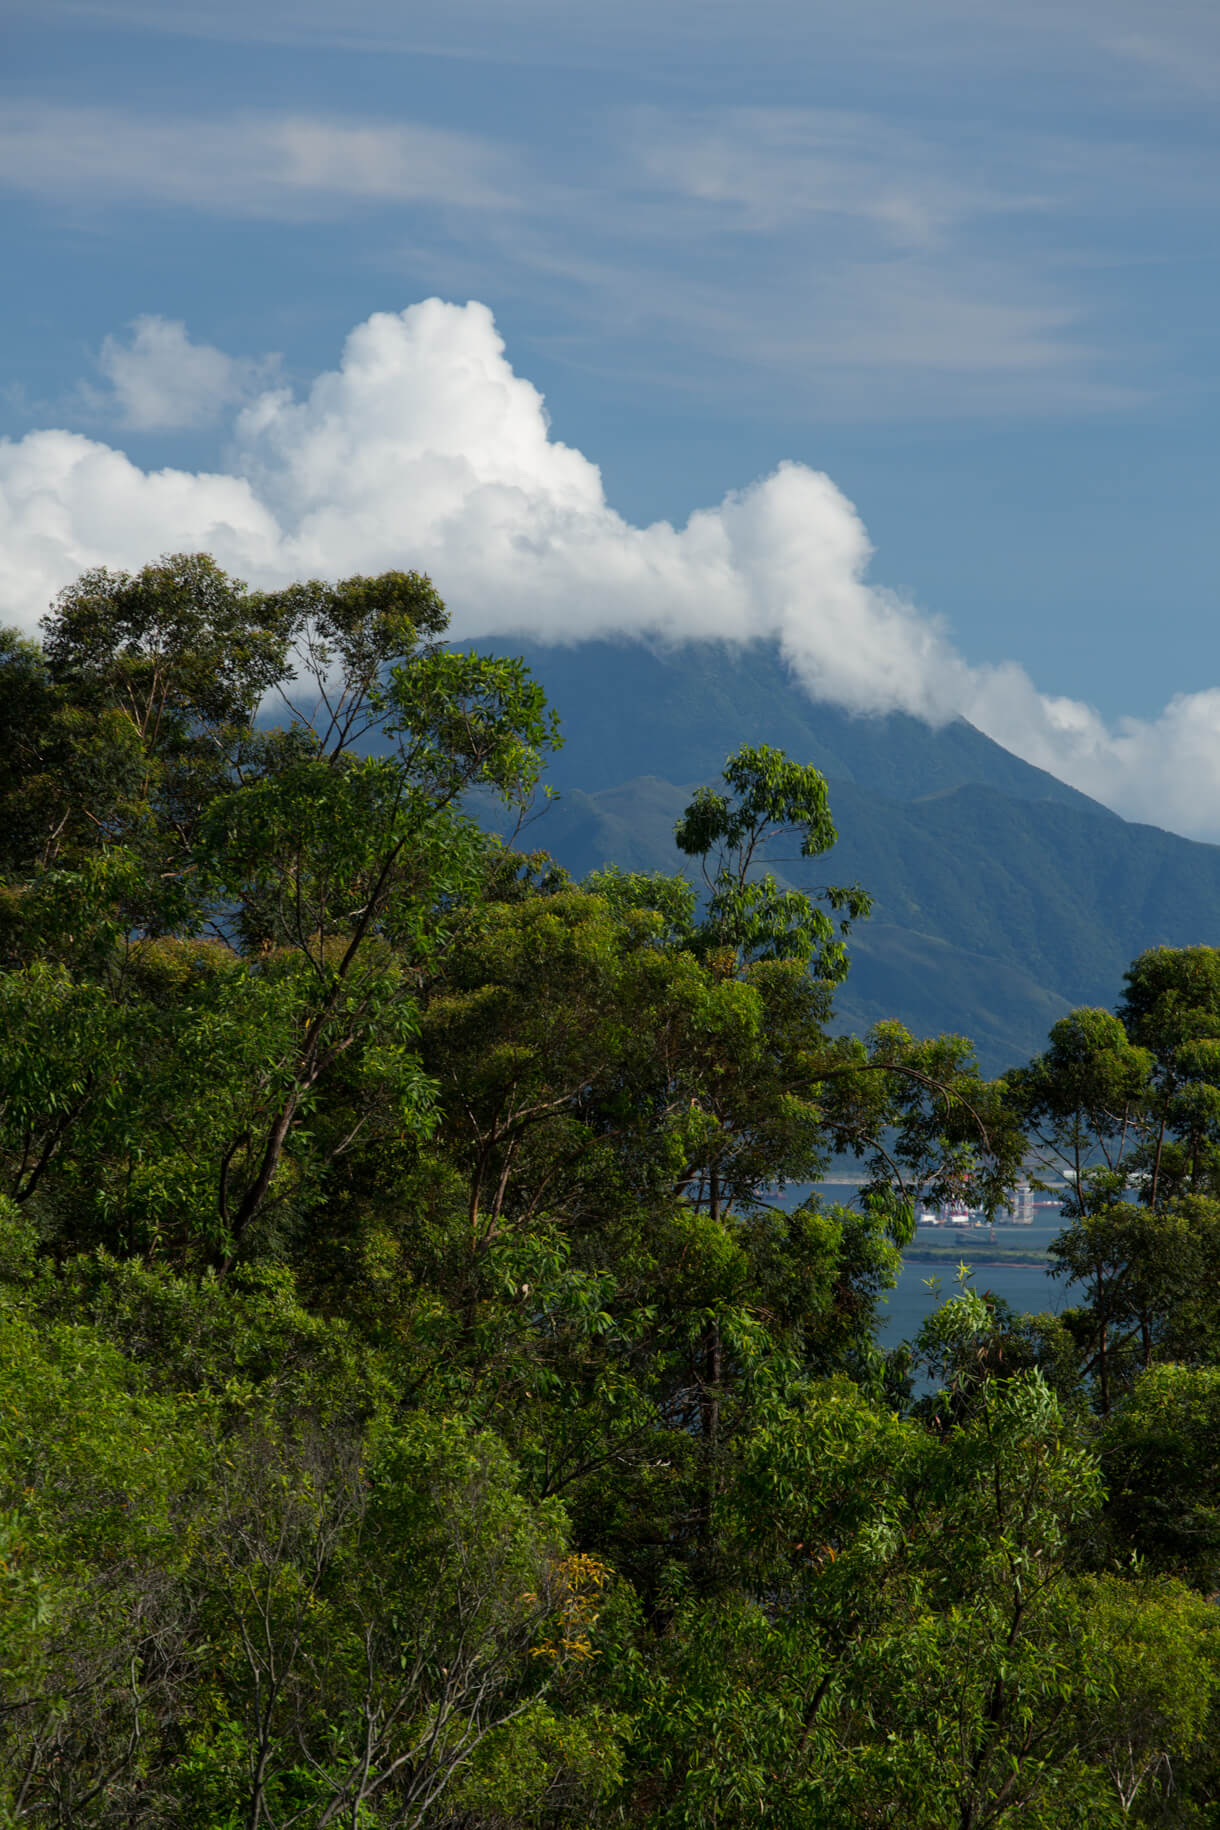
{"points": [[630, 710], [1002, 897]]}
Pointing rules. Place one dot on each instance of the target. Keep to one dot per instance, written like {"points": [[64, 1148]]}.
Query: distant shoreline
{"points": [[1021, 1262]]}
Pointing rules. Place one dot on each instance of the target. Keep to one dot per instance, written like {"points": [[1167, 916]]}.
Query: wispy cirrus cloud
{"points": [[1190, 68], [247, 164], [873, 265], [763, 168], [862, 259], [939, 39]]}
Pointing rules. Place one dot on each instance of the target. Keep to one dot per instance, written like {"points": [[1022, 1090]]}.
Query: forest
{"points": [[423, 1401]]}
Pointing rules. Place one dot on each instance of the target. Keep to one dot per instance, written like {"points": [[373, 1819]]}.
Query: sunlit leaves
{"points": [[770, 798]]}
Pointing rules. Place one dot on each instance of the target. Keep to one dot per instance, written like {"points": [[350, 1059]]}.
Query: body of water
{"points": [[1026, 1287]]}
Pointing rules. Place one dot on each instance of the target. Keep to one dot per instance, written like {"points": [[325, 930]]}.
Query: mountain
{"points": [[630, 710], [1002, 897]]}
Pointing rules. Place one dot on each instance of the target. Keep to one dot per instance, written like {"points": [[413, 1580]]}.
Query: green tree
{"points": [[429, 1395], [1158, 1452], [1171, 1007], [1123, 1106], [1085, 1105], [210, 918], [771, 799]]}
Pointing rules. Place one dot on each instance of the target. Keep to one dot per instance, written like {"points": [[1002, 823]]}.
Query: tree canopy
{"points": [[433, 1391]]}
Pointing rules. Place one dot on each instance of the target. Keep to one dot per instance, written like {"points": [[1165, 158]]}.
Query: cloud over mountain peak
{"points": [[424, 449]]}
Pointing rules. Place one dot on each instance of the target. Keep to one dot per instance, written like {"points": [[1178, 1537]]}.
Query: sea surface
{"points": [[1027, 1287]]}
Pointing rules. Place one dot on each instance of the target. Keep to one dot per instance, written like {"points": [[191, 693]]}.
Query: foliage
{"points": [[771, 797], [431, 1393]]}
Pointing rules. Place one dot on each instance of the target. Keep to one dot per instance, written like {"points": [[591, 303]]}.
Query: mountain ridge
{"points": [[678, 712], [1002, 897]]}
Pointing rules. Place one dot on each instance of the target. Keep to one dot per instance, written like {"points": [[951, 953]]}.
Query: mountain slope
{"points": [[1002, 897], [629, 710]]}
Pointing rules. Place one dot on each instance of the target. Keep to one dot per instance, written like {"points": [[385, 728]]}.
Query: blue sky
{"points": [[959, 256]]}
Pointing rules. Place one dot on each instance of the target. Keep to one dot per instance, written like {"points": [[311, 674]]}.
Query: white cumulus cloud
{"points": [[424, 449], [160, 381]]}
